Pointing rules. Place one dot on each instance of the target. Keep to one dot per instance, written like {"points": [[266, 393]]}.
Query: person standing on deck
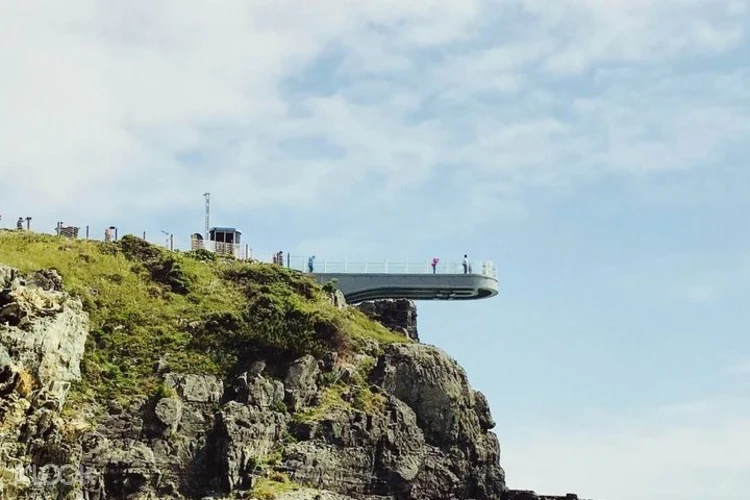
{"points": [[466, 264], [310, 263], [434, 264]]}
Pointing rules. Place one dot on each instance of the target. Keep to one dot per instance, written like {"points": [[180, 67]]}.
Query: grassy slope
{"points": [[203, 316]]}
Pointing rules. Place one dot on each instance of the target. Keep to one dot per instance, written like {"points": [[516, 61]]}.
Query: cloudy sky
{"points": [[596, 150]]}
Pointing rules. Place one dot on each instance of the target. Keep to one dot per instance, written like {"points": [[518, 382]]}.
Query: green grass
{"points": [[202, 314], [363, 398], [272, 485], [330, 403]]}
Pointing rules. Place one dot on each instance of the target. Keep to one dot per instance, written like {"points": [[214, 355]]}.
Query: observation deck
{"points": [[375, 280]]}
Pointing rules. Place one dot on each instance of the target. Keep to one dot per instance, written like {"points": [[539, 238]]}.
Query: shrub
{"points": [[331, 286], [162, 267], [201, 255]]}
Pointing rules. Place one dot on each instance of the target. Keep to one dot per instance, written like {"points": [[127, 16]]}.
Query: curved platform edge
{"points": [[365, 287]]}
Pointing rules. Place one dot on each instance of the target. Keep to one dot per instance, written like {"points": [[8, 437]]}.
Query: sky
{"points": [[595, 150]]}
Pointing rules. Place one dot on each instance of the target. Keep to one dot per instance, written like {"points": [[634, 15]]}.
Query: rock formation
{"points": [[399, 315], [399, 423], [42, 336]]}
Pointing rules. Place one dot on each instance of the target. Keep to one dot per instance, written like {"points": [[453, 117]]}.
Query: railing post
{"points": [[365, 265], [346, 265], [325, 265], [386, 266], [407, 267]]}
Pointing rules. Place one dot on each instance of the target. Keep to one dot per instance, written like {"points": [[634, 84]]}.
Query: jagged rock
{"points": [[482, 407], [256, 369], [162, 366], [530, 495], [42, 336], [128, 471], [465, 457], [51, 342], [179, 454], [196, 388], [338, 299], [301, 381], [309, 494], [346, 376], [169, 412], [329, 361], [399, 315], [47, 279], [13, 482], [350, 451], [521, 495], [434, 386], [243, 435], [10, 278], [259, 391], [5, 359]]}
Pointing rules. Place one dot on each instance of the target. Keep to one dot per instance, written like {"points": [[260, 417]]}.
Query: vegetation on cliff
{"points": [[209, 377], [193, 311]]}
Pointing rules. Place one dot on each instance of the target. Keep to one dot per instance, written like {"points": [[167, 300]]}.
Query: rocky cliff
{"points": [[371, 416], [399, 315]]}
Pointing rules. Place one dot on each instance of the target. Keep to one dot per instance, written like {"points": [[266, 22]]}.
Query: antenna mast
{"points": [[207, 196]]}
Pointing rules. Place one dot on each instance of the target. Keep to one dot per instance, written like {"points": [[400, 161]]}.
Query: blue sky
{"points": [[595, 150]]}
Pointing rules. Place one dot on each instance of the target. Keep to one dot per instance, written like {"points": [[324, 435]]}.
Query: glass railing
{"points": [[485, 268]]}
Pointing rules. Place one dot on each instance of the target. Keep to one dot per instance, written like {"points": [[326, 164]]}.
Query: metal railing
{"points": [[300, 263], [239, 251], [485, 268]]}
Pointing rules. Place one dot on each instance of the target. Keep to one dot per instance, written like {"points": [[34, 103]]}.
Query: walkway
{"points": [[371, 280]]}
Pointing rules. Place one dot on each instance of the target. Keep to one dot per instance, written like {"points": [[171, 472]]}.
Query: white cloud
{"points": [[696, 293], [742, 368], [595, 31], [141, 107]]}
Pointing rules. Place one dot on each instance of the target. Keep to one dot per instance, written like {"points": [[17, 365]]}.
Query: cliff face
{"points": [[417, 430], [377, 419]]}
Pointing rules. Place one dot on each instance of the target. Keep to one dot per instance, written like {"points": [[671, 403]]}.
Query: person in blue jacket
{"points": [[310, 263]]}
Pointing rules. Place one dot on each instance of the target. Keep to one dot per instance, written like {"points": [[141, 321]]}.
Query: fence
{"points": [[300, 263], [485, 268], [238, 251]]}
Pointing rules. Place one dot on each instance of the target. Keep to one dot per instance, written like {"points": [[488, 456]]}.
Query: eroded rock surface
{"points": [[42, 337], [399, 315], [403, 425], [464, 458]]}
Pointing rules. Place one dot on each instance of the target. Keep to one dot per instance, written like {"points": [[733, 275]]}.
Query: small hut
{"points": [[196, 241], [225, 240]]}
